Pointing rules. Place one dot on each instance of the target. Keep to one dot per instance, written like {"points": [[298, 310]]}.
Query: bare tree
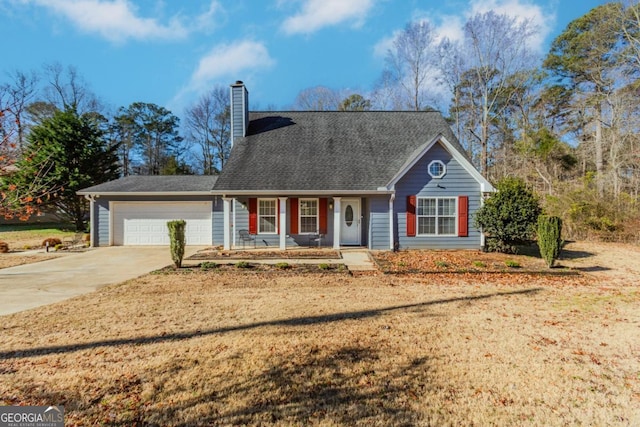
{"points": [[67, 89], [318, 98], [208, 124], [496, 56], [18, 95], [411, 64]]}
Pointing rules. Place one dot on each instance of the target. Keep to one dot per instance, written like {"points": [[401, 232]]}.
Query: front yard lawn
{"points": [[220, 348]]}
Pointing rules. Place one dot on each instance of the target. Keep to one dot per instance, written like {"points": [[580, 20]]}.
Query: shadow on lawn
{"points": [[350, 385], [297, 321]]}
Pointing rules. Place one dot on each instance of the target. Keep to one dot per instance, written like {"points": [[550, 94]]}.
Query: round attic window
{"points": [[437, 169]]}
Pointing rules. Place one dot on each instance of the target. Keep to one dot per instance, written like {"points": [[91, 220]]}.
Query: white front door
{"points": [[350, 222]]}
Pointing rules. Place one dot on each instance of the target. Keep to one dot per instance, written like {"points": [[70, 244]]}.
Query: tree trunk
{"points": [[598, 151]]}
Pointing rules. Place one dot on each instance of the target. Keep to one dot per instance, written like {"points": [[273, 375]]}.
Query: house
{"points": [[377, 179]]}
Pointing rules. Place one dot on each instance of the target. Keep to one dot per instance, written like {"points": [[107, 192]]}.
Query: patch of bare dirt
{"points": [[609, 261], [15, 259]]}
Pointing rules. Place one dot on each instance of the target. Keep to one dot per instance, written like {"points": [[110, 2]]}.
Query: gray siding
{"points": [[379, 222], [239, 111], [103, 222], [218, 222], [456, 182]]}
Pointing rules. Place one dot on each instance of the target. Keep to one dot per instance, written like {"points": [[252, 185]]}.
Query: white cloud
{"points": [[521, 10], [317, 14], [230, 61], [451, 26], [118, 20]]}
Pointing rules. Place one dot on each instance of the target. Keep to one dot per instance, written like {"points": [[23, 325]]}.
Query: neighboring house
{"points": [[382, 180]]}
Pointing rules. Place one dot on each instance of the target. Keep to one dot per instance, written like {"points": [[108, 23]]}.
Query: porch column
{"points": [[93, 222], [391, 200], [226, 204], [336, 222], [283, 223]]}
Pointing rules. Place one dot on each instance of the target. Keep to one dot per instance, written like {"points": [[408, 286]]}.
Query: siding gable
{"points": [[456, 182]]}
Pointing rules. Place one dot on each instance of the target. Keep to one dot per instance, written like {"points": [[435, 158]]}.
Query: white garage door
{"points": [[145, 223]]}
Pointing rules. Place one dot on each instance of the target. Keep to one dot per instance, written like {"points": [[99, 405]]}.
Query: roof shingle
{"points": [[337, 151]]}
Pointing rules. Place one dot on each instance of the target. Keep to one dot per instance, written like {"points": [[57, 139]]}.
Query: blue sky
{"points": [[170, 52]]}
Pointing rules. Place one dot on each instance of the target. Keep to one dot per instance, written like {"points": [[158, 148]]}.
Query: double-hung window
{"points": [[436, 216], [267, 216], [308, 216]]}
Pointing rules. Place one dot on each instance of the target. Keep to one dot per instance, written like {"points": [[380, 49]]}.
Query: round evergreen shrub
{"points": [[508, 218]]}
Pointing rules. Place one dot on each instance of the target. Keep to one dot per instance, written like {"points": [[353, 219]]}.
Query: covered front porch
{"points": [[305, 221]]}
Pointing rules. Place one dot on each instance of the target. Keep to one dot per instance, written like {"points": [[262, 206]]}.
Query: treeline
{"points": [[57, 137], [567, 122]]}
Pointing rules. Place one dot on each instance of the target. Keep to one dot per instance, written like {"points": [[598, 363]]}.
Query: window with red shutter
{"points": [[463, 216], [411, 216], [293, 223]]}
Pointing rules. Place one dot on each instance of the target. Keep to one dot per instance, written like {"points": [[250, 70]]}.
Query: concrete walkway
{"points": [[33, 285]]}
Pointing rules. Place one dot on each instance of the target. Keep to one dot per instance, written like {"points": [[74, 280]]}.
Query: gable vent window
{"points": [[437, 169]]}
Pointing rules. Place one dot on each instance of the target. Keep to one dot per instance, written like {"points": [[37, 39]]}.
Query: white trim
{"points": [[391, 235], [226, 208], [282, 203], [485, 185], [146, 193], [455, 216], [439, 162], [296, 193], [111, 215], [275, 217], [317, 227], [337, 215]]}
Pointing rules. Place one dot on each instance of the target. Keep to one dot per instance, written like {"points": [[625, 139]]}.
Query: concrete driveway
{"points": [[33, 285]]}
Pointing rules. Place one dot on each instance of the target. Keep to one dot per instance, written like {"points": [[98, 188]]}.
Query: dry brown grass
{"points": [[12, 260], [223, 348]]}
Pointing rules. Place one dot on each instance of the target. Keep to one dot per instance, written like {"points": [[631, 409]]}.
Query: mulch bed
{"points": [[215, 254], [254, 268], [462, 261]]}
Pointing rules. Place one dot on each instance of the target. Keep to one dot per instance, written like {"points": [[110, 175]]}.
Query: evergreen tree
{"points": [[67, 152]]}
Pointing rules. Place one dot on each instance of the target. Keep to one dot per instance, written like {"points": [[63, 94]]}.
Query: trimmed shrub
{"points": [[243, 264], [52, 242], [549, 238], [4, 247], [509, 217], [177, 240]]}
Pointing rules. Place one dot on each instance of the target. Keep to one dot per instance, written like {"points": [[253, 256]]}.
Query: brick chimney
{"points": [[239, 110]]}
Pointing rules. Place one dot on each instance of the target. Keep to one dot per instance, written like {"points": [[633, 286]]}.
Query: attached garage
{"points": [[145, 223], [134, 210]]}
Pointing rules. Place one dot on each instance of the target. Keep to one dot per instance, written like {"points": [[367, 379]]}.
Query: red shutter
{"points": [[322, 207], [463, 216], [253, 216], [293, 208], [411, 216]]}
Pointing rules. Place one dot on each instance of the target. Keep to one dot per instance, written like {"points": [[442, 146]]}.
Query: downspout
{"points": [[392, 244]]}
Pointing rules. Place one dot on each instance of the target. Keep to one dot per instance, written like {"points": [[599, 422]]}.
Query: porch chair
{"points": [[245, 236], [315, 238]]}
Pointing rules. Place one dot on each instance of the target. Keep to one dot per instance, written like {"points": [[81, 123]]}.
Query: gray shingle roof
{"points": [[155, 184], [338, 151]]}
